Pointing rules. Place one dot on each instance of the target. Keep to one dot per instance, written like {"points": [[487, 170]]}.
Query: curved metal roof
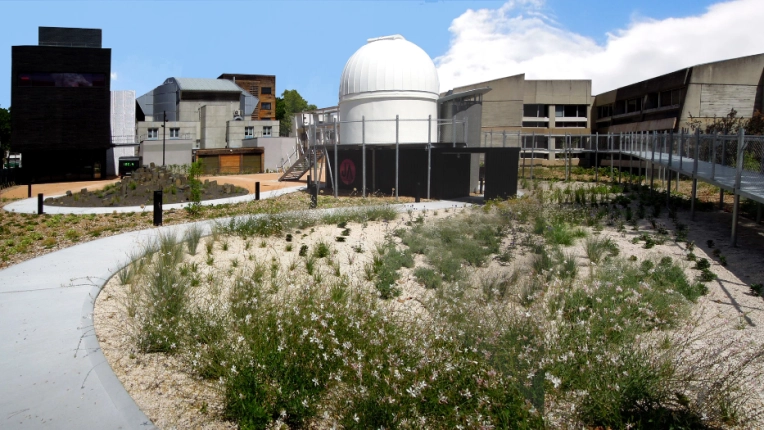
{"points": [[204, 84]]}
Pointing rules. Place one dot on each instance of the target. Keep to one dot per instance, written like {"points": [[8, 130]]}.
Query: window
{"points": [[153, 133], [265, 90], [570, 111], [265, 106], [534, 111], [605, 111], [535, 124], [670, 98], [249, 132], [174, 133], [267, 130], [633, 105]]}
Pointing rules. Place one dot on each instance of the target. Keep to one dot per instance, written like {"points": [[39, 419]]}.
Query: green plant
{"points": [[303, 250], [427, 277], [193, 236], [321, 250], [195, 188]]}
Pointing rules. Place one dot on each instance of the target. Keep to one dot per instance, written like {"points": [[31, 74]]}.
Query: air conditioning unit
{"points": [[237, 113]]}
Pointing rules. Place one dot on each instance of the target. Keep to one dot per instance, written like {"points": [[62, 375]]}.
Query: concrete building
{"points": [[261, 86], [206, 118], [668, 102], [541, 107], [60, 97], [122, 129]]}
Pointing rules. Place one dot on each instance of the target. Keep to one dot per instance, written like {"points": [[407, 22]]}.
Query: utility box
{"points": [[127, 165]]}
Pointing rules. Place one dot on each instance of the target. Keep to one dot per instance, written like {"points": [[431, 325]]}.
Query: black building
{"points": [[60, 94]]}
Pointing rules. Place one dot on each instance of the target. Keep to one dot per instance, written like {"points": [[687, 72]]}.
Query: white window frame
{"points": [[249, 132], [267, 130], [175, 133], [152, 133]]}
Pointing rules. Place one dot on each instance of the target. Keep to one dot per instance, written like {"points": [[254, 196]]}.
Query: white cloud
{"points": [[113, 76], [517, 38]]}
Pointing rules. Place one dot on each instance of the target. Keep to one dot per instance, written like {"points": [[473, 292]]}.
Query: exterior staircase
{"points": [[302, 165]]}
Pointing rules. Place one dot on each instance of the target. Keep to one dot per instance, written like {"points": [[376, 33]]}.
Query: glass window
{"points": [[175, 133], [559, 111], [153, 133], [267, 130], [265, 90], [249, 132], [265, 106], [534, 111]]}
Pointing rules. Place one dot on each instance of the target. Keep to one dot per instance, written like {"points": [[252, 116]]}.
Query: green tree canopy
{"points": [[287, 105], [5, 129]]}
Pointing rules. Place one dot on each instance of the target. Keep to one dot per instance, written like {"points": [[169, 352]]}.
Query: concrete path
{"points": [[30, 205], [54, 375]]}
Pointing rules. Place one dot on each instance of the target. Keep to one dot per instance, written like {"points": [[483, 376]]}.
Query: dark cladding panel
{"points": [[71, 37], [61, 105], [501, 173]]}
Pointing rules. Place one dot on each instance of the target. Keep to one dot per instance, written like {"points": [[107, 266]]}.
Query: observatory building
{"points": [[394, 133]]}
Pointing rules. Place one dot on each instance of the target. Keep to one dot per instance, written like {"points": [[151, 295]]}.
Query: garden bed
{"points": [[558, 310]]}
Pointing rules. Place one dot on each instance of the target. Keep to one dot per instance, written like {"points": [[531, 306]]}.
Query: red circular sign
{"points": [[347, 171]]}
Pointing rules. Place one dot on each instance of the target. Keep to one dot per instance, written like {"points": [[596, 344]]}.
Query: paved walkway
{"points": [[54, 374]]}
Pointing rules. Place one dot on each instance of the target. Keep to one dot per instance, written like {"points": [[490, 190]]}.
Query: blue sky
{"points": [[306, 43]]}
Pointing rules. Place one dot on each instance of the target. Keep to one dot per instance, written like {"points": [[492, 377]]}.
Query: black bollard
{"points": [[417, 199], [308, 181], [39, 204], [158, 208], [29, 191], [314, 196], [257, 191]]}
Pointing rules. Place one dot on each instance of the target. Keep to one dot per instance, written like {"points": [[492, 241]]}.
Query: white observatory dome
{"points": [[389, 76]]}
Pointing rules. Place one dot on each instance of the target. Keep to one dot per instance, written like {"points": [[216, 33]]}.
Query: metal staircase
{"points": [[302, 165]]}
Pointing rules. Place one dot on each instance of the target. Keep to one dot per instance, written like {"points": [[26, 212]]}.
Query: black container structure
{"points": [[60, 93], [158, 208]]}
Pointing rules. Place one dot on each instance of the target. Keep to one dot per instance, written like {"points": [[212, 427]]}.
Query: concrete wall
{"points": [[176, 153], [214, 119], [275, 150], [235, 132]]}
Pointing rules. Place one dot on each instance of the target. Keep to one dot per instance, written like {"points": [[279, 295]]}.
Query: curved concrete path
{"points": [[54, 374], [30, 205]]}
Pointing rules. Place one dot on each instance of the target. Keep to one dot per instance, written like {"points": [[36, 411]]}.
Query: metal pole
{"points": [[158, 207], [453, 131], [39, 204], [164, 131], [373, 169], [694, 195], [620, 157], [397, 156], [668, 170], [363, 154], [429, 153], [738, 178], [533, 154], [336, 166], [522, 150], [316, 179], [257, 190], [652, 163], [721, 190], [596, 156]]}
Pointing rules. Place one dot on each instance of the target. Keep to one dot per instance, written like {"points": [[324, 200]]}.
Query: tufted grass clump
{"points": [[193, 237]]}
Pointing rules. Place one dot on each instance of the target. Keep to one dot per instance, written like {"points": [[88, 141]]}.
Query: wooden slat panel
{"points": [[230, 163], [251, 163], [211, 164]]}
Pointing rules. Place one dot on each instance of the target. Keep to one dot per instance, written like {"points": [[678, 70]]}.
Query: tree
{"points": [[5, 130], [287, 105]]}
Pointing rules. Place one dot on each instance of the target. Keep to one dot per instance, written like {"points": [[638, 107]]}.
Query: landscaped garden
{"points": [[576, 306]]}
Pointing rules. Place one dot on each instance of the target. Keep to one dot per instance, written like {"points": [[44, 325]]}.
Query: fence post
{"points": [[721, 190], [363, 155], [738, 178], [29, 190], [652, 163], [693, 197], [668, 170], [336, 166], [397, 156], [533, 154], [429, 153], [596, 158], [681, 149]]}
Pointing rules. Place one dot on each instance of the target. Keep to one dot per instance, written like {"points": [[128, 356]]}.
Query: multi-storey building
{"points": [[210, 118], [668, 102], [261, 86], [60, 93]]}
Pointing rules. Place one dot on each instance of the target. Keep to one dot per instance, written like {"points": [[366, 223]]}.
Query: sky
{"points": [[306, 43]]}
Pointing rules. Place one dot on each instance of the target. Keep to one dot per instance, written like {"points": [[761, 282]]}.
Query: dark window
{"points": [[534, 111], [174, 133], [72, 80], [605, 111], [535, 124], [265, 106], [265, 90], [633, 105]]}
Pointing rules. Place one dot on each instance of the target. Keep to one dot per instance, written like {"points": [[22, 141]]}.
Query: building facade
{"points": [[669, 102], [60, 93], [261, 86], [208, 119], [122, 129]]}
